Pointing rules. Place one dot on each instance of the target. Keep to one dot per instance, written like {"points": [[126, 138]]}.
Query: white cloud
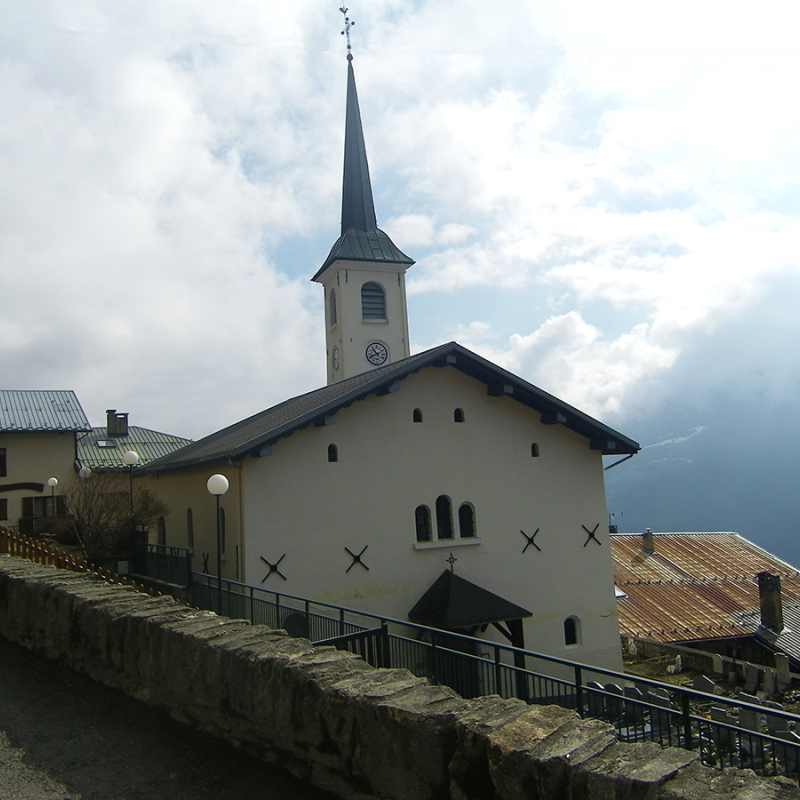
{"points": [[172, 176]]}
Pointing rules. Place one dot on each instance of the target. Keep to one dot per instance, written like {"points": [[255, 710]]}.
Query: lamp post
{"points": [[218, 485], [130, 459], [52, 483]]}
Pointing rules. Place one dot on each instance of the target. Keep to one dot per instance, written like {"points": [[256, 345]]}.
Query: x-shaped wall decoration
{"points": [[591, 534], [273, 567], [205, 562], [356, 559], [530, 541]]}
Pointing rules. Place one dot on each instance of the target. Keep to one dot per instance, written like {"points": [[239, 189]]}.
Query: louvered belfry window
{"points": [[373, 301]]}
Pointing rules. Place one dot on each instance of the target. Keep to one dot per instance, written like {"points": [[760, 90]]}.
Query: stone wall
{"points": [[331, 719]]}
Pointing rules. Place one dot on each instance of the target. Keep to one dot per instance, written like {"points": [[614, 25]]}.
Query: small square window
{"points": [[106, 443]]}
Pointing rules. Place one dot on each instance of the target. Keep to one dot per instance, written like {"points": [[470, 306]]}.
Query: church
{"points": [[436, 487]]}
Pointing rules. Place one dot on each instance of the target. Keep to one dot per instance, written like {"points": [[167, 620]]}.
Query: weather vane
{"points": [[348, 23]]}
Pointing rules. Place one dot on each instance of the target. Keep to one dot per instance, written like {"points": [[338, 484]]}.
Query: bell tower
{"points": [[366, 319]]}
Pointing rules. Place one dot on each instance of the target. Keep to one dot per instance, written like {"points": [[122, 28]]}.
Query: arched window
{"points": [[417, 415], [332, 311], [534, 450], [162, 531], [466, 521], [422, 518], [333, 452], [572, 631], [222, 529], [444, 517], [190, 527], [458, 415], [373, 301]]}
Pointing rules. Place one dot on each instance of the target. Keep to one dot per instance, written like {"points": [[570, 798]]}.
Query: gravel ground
{"points": [[64, 737]]}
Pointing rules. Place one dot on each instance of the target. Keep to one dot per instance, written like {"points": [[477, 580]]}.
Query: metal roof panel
{"points": [[41, 411]]}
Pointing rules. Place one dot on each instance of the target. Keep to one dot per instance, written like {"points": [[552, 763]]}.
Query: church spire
{"points": [[358, 208], [366, 320]]}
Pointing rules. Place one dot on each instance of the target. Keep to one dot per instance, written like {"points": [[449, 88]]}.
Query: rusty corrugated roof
{"points": [[694, 585], [35, 411]]}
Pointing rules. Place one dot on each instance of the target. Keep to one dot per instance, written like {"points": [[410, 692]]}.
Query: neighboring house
{"points": [[39, 433], [103, 449], [435, 486], [715, 591]]}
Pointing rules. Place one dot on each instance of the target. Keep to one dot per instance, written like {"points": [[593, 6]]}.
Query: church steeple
{"points": [[364, 273], [358, 209]]}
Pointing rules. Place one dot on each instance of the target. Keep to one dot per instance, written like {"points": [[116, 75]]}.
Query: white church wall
{"points": [[299, 504]]}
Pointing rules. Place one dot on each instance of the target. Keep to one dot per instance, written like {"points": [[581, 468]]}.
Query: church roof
{"points": [[361, 239], [249, 436], [452, 603]]}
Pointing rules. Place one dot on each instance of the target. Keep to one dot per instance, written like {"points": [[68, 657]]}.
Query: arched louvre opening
{"points": [[373, 301]]}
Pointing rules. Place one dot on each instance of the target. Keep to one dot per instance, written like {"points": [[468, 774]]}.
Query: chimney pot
{"points": [[648, 544], [116, 424], [769, 596]]}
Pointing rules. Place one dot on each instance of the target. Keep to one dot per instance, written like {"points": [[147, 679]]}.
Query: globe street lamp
{"points": [[52, 483], [130, 459], [218, 485]]}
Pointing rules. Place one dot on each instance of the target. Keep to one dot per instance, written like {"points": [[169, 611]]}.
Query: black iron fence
{"points": [[168, 564], [726, 732]]}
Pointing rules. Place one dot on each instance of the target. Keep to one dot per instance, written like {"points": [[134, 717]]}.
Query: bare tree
{"points": [[101, 517]]}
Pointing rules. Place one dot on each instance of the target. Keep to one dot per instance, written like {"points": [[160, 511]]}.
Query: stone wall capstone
{"points": [[331, 719]]}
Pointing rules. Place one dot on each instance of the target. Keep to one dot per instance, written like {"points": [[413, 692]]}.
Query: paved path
{"points": [[63, 737]]}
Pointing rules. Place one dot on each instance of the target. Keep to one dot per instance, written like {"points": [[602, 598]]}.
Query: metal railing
{"points": [[163, 563], [725, 731]]}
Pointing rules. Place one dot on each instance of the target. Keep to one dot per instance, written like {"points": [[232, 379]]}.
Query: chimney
{"points": [[769, 596], [117, 424], [647, 542]]}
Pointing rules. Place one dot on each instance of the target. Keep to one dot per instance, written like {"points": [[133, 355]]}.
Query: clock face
{"points": [[376, 353], [335, 358]]}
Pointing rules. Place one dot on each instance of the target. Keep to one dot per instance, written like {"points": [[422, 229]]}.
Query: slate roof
{"points": [[453, 603], [697, 586], [41, 411], [374, 246], [251, 434], [148, 445]]}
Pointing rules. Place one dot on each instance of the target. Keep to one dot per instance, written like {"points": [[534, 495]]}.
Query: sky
{"points": [[602, 198]]}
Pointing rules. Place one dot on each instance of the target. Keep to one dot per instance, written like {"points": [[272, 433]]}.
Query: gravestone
{"points": [[595, 699], [660, 721], [634, 711], [703, 684], [718, 664], [749, 718], [784, 676], [614, 703], [775, 724], [751, 675], [769, 684], [722, 737], [788, 753]]}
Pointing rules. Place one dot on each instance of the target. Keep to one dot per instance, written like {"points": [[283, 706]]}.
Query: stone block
{"points": [[628, 770], [698, 782], [533, 755]]}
